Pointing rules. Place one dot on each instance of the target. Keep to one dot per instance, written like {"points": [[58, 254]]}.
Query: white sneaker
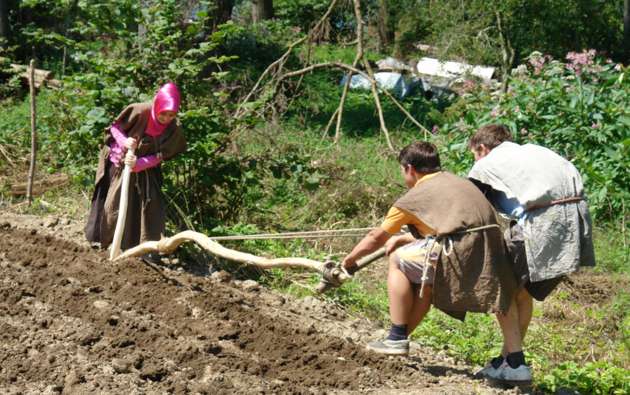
{"points": [[390, 347], [490, 372], [521, 374]]}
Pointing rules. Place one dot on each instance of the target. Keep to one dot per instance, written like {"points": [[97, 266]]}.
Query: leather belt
{"points": [[573, 199]]}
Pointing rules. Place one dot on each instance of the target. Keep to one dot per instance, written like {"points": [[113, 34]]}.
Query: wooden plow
{"points": [[332, 273]]}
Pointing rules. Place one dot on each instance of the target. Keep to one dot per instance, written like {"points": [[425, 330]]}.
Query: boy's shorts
{"points": [[516, 250], [411, 259]]}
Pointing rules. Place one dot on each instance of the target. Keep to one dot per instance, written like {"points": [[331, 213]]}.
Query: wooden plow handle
{"points": [[114, 250], [333, 275]]}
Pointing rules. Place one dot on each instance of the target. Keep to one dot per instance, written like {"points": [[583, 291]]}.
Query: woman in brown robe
{"points": [[155, 134]]}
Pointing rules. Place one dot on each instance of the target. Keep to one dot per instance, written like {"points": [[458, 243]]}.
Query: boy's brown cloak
{"points": [[475, 275]]}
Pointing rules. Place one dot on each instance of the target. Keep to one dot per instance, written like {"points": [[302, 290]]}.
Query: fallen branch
{"points": [[377, 102], [355, 62], [330, 122], [354, 70], [39, 187]]}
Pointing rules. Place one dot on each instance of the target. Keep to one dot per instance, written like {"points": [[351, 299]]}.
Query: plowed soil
{"points": [[73, 322]]}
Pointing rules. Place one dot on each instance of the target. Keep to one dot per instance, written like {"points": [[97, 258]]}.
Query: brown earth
{"points": [[73, 322]]}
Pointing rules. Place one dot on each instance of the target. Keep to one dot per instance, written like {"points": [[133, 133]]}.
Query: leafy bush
{"points": [[128, 68], [590, 378], [10, 82], [578, 109]]}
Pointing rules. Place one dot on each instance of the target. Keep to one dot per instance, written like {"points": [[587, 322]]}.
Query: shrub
{"points": [[578, 109]]}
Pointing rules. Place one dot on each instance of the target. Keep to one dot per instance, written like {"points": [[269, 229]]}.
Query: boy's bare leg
{"points": [[509, 323], [420, 308], [524, 308], [525, 304], [400, 292]]}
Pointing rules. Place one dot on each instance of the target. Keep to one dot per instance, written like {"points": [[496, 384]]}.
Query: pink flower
{"points": [[496, 111], [579, 61], [517, 109], [435, 129], [524, 131], [468, 85], [595, 125], [538, 61]]}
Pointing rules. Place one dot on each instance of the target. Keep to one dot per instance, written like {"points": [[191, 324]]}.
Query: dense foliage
{"points": [[469, 29], [578, 108]]}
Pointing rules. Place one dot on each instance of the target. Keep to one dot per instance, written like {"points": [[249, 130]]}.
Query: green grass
{"points": [[611, 246]]}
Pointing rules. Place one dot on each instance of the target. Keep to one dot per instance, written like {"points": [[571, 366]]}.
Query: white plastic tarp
{"points": [[433, 67], [392, 64], [394, 82]]}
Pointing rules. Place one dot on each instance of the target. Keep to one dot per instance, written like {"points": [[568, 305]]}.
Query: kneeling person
{"points": [[454, 258]]}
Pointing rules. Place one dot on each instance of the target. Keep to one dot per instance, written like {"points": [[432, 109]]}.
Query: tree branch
{"points": [[507, 53], [238, 114]]}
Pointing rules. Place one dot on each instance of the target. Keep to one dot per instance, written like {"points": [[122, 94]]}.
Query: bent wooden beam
{"points": [[170, 244]]}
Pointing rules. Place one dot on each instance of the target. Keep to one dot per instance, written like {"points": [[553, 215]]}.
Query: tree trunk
{"points": [[385, 31], [4, 19], [223, 12], [261, 10], [626, 30], [507, 52]]}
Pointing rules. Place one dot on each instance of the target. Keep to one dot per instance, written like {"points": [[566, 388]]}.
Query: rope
{"points": [[313, 234], [478, 228], [447, 250]]}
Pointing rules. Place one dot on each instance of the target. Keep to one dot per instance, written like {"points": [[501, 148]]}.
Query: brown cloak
{"points": [[476, 275], [145, 213]]}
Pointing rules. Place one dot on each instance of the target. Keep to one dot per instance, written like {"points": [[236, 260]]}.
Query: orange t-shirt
{"points": [[396, 218]]}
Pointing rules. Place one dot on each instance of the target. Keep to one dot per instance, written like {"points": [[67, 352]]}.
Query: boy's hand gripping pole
{"points": [[334, 274], [114, 250]]}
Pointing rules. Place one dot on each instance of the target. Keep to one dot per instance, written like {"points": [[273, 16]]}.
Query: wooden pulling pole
{"points": [[31, 169], [114, 250]]}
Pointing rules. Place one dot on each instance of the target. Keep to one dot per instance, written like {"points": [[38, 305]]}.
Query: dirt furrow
{"points": [[72, 322]]}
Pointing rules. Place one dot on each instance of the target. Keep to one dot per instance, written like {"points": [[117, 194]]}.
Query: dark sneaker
{"points": [[390, 347], [152, 258]]}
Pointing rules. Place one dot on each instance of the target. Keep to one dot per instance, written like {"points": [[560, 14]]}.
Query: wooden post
{"points": [[31, 170]]}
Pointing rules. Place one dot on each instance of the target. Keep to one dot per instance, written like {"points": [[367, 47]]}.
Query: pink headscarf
{"points": [[166, 99]]}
